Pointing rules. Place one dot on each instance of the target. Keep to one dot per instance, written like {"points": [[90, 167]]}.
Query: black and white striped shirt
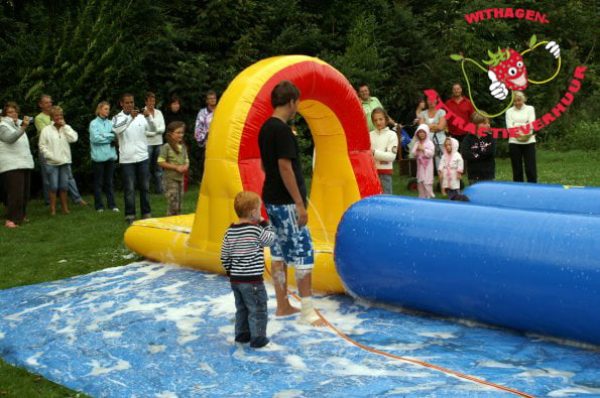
{"points": [[242, 253]]}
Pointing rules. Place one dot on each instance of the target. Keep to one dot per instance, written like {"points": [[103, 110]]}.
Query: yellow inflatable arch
{"points": [[344, 170]]}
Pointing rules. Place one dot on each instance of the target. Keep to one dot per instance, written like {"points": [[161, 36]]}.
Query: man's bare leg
{"points": [[304, 282], [279, 270]]}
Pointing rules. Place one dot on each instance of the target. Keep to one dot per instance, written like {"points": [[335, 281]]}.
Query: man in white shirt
{"points": [[155, 141], [131, 128]]}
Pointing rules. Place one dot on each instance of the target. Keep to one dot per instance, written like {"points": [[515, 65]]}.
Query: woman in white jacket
{"points": [[384, 146], [521, 146], [54, 145], [16, 164]]}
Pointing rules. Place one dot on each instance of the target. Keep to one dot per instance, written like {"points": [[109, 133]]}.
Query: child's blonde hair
{"points": [[245, 202], [478, 119]]}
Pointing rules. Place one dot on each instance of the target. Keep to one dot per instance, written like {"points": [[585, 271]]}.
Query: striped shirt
{"points": [[242, 253]]}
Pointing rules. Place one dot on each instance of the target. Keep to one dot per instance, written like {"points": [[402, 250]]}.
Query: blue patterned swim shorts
{"points": [[293, 245]]}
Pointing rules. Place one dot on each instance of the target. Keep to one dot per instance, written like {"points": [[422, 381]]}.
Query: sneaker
{"points": [[259, 342], [129, 219], [147, 215], [242, 338], [100, 210], [10, 224], [115, 209]]}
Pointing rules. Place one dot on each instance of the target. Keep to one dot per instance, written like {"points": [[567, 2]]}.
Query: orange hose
{"points": [[415, 361]]}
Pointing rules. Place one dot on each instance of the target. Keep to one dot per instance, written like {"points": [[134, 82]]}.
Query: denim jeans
{"points": [[251, 309], [386, 183], [103, 182], [136, 174], [58, 177], [72, 187], [155, 170]]}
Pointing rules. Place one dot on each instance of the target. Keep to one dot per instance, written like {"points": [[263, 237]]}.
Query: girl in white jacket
{"points": [[451, 168], [384, 146]]}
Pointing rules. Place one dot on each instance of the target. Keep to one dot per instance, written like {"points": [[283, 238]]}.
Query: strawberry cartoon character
{"points": [[507, 66], [507, 71]]}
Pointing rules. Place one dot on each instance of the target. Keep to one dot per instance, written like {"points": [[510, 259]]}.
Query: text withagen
{"points": [[536, 125], [506, 13]]}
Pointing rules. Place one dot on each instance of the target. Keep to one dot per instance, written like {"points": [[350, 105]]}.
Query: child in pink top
{"points": [[423, 150]]}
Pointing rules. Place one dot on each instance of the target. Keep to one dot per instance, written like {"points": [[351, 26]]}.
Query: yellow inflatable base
{"points": [[166, 240]]}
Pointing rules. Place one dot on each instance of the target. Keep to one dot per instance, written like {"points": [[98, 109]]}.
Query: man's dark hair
{"points": [[361, 84], [174, 98], [283, 93], [125, 95], [150, 94], [211, 92]]}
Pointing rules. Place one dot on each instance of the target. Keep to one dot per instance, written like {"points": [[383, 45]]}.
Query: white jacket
{"points": [[384, 144], [520, 117], [14, 147], [450, 165], [54, 144], [131, 133]]}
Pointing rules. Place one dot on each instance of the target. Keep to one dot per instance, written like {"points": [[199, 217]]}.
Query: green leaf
{"points": [[532, 41], [456, 57]]}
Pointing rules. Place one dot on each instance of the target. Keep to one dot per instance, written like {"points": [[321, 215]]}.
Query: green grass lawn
{"points": [[50, 248]]}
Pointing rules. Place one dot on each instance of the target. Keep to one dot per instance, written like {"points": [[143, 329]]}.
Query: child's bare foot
{"points": [[286, 310]]}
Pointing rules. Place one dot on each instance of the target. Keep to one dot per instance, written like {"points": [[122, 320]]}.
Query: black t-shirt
{"points": [[276, 141]]}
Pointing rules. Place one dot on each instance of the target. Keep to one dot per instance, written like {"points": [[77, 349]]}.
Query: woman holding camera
{"points": [[104, 155], [16, 163], [54, 145]]}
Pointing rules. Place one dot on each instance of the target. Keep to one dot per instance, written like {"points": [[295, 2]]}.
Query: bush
{"points": [[584, 135]]}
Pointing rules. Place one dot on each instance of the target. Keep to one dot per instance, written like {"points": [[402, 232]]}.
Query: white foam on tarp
{"points": [[417, 388], [156, 348], [18, 317], [33, 360], [108, 334], [289, 394], [341, 366], [207, 368], [219, 306], [166, 394], [173, 288], [133, 305], [438, 335], [247, 355], [296, 362], [546, 372], [98, 369], [496, 364], [575, 391]]}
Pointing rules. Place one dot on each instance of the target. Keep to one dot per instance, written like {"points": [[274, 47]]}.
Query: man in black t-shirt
{"points": [[284, 195]]}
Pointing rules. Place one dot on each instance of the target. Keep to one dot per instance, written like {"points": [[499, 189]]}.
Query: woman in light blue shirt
{"points": [[104, 156]]}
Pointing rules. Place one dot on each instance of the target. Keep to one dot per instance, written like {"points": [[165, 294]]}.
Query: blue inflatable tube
{"points": [[544, 197], [526, 270]]}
